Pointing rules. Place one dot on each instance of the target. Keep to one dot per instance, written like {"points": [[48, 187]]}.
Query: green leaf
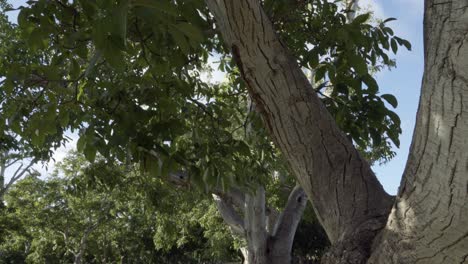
{"points": [[376, 137], [90, 152], [358, 63], [361, 18], [320, 72], [23, 18], [80, 144], [313, 59], [37, 39], [389, 19], [394, 117], [37, 137], [403, 42], [406, 43], [371, 83], [390, 99], [180, 40], [160, 5], [393, 135], [191, 31], [64, 118], [81, 89], [388, 30], [394, 45], [89, 8], [114, 57]]}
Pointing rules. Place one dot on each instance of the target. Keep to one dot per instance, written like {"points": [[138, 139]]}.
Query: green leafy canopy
{"points": [[127, 76]]}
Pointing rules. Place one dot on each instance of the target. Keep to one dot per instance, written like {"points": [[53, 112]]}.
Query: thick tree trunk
{"points": [[429, 220], [347, 197]]}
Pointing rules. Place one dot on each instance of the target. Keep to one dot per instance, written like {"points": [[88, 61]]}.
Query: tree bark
{"points": [[264, 244], [347, 197], [429, 219]]}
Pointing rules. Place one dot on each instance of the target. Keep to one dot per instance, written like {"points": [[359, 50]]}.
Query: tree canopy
{"points": [[103, 212], [127, 76]]}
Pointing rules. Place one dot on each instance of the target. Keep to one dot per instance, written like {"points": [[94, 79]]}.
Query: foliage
{"points": [[126, 75], [132, 217]]}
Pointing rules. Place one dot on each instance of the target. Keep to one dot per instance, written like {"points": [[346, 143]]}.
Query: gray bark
{"points": [[429, 219], [6, 161], [229, 214], [264, 243]]}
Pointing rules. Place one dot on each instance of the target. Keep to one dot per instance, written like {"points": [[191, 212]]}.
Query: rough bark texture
{"points": [[429, 221], [348, 199]]}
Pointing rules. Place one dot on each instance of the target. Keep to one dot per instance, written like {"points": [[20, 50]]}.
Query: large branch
{"points": [[255, 225], [429, 221], [347, 197]]}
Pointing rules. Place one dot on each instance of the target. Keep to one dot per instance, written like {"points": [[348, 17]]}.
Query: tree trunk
{"points": [[347, 197], [268, 238], [429, 220]]}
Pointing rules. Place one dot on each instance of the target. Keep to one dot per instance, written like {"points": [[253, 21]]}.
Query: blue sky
{"points": [[404, 81]]}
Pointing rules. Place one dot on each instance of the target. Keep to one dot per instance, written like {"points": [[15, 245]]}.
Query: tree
{"points": [[268, 233], [101, 213], [132, 87], [104, 212], [331, 170]]}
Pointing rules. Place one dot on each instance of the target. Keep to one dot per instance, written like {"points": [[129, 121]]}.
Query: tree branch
{"points": [[347, 197], [229, 214], [289, 219], [19, 173], [255, 222]]}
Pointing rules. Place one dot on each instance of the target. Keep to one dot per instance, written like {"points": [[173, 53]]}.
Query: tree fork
{"points": [[347, 197]]}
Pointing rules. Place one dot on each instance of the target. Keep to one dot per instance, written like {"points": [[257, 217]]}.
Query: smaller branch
{"points": [[289, 219], [229, 214], [272, 217], [18, 174], [12, 162], [234, 196]]}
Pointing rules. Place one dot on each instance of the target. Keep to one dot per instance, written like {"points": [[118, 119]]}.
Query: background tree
{"points": [[104, 213]]}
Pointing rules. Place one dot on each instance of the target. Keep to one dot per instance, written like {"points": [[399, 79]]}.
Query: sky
{"points": [[404, 81]]}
